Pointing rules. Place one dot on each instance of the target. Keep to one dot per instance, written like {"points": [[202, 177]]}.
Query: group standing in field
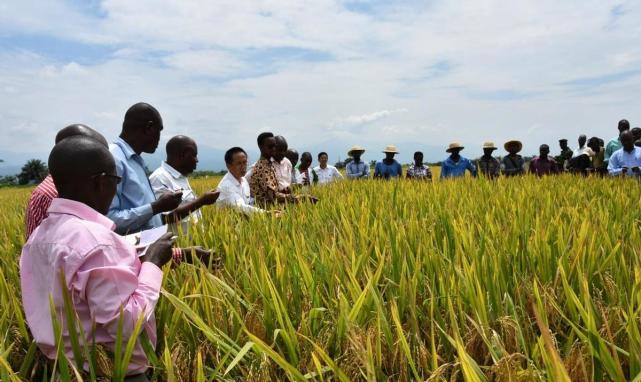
{"points": [[85, 221]]}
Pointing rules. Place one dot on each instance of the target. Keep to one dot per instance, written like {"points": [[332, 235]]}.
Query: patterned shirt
{"points": [[39, 203], [489, 167], [513, 166], [264, 185], [419, 172], [355, 170], [540, 166]]}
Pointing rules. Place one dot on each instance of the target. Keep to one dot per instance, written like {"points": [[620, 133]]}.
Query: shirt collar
{"points": [[79, 210], [172, 171], [129, 152]]}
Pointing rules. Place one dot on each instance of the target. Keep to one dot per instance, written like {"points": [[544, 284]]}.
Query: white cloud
{"points": [[221, 71]]}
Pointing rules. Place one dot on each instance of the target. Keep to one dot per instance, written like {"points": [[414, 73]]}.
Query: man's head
{"points": [[292, 155], [84, 170], [80, 129], [306, 160], [624, 125], [636, 133], [281, 148], [266, 145], [236, 161], [322, 159], [563, 143], [182, 154], [141, 128], [418, 158], [594, 143], [627, 140], [582, 139], [544, 151]]}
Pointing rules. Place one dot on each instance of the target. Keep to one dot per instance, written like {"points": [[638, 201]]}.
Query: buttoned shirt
{"points": [[102, 273], [283, 170], [167, 179], [264, 185], [327, 174], [451, 169], [39, 203], [355, 170], [131, 208], [622, 158], [295, 176], [513, 166], [423, 172], [387, 171], [489, 167], [541, 166], [307, 177], [235, 193]]}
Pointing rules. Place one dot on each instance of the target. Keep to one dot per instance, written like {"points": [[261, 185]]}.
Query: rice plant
{"points": [[520, 279]]}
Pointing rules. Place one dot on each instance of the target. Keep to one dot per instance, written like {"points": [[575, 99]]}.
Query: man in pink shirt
{"points": [[102, 272], [45, 192]]}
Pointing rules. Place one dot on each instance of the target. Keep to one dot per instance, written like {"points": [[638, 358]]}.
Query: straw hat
{"points": [[390, 149], [355, 148], [489, 145], [454, 146], [515, 143]]}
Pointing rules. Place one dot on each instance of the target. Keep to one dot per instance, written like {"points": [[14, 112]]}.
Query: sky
{"points": [[325, 74]]}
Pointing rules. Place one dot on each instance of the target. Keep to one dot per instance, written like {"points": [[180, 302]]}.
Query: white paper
{"points": [[150, 236]]}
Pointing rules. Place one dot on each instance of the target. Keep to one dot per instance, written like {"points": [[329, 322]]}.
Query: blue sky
{"points": [[326, 74]]}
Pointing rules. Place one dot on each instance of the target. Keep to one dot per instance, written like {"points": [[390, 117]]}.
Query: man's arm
{"points": [[272, 194], [234, 200], [614, 166], [471, 168], [109, 287]]}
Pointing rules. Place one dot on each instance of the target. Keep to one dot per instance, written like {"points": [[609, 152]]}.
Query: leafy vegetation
{"points": [[519, 279]]}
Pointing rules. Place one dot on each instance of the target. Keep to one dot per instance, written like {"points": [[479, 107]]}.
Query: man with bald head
{"points": [[45, 192], [99, 269], [282, 165], [627, 160], [171, 176], [135, 207]]}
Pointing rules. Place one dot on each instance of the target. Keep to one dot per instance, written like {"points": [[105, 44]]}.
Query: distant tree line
{"points": [[33, 172]]}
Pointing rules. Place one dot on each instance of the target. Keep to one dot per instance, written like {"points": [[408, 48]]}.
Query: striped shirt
{"points": [[39, 203]]}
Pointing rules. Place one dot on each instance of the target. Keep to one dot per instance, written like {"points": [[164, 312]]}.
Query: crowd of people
{"points": [[80, 219]]}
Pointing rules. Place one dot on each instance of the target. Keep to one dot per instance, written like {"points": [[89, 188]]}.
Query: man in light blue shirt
{"points": [[135, 208], [356, 168], [455, 165], [627, 160]]}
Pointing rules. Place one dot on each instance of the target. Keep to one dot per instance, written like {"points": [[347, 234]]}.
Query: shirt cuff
{"points": [[147, 211], [151, 275]]}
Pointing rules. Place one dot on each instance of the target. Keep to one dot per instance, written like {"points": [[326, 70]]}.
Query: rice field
{"points": [[520, 279]]}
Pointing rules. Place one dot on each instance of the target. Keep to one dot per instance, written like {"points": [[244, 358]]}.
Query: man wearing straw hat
{"points": [[489, 166], [357, 169], [513, 164], [388, 167], [455, 165]]}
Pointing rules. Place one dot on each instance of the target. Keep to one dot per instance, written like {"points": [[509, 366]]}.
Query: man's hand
{"points": [[310, 198], [159, 253], [636, 170], [209, 197], [624, 171], [204, 255], [167, 202]]}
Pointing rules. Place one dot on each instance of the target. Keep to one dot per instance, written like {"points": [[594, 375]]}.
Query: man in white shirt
{"points": [[282, 165], [171, 176], [293, 157], [326, 173], [580, 150], [234, 188]]}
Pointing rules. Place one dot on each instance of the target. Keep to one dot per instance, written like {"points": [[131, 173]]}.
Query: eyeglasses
{"points": [[116, 177]]}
